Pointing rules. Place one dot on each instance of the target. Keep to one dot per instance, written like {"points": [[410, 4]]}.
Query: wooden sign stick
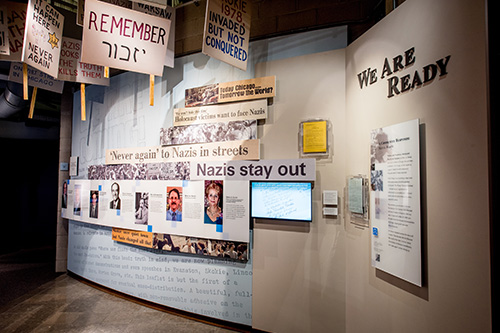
{"points": [[82, 101], [151, 90], [33, 100], [25, 81]]}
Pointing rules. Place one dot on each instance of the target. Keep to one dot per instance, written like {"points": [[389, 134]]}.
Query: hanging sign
{"points": [[219, 113], [15, 14], [227, 31], [212, 151], [4, 31], [42, 37], [243, 90], [166, 13], [123, 38], [72, 69], [36, 78]]}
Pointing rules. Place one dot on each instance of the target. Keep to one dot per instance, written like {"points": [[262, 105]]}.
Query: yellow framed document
{"points": [[314, 138]]}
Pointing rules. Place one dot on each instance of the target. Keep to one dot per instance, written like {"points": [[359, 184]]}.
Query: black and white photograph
{"points": [[141, 207]]}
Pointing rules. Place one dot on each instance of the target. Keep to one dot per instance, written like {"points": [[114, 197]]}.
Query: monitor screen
{"points": [[281, 200]]}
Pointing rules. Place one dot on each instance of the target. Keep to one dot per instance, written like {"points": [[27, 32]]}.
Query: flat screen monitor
{"points": [[280, 200]]}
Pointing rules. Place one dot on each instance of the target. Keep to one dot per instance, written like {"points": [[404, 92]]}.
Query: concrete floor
{"points": [[34, 299]]}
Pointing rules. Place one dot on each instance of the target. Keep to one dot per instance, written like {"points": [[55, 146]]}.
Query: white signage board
{"points": [[15, 13], [36, 78], [168, 13], [42, 37], [227, 31], [4, 31], [72, 69], [143, 205], [123, 38], [222, 151], [395, 201], [220, 113], [275, 170]]}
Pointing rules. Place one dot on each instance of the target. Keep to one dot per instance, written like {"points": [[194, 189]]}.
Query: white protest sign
{"points": [[42, 37], [36, 78], [4, 31], [123, 38], [15, 14], [166, 13], [227, 31], [72, 69]]}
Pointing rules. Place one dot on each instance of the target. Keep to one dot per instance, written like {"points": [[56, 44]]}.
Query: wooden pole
{"points": [[33, 101], [25, 81], [82, 101], [151, 90]]}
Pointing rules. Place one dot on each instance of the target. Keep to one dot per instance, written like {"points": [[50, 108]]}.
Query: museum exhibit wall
{"points": [[119, 116], [305, 277], [320, 275]]}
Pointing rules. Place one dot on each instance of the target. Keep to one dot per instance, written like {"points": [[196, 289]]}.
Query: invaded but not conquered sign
{"points": [[243, 90], [72, 69], [220, 113], [36, 78], [15, 14], [228, 150], [227, 31], [42, 37], [123, 38]]}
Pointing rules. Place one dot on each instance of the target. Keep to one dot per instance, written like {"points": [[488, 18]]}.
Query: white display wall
{"points": [[119, 116]]}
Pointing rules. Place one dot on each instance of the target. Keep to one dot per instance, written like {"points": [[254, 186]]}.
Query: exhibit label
{"points": [[4, 31], [15, 14], [228, 150], [123, 38], [134, 237], [168, 13], [395, 201], [219, 113], [36, 78], [42, 37], [243, 90], [400, 84], [227, 31], [278, 170], [72, 69]]}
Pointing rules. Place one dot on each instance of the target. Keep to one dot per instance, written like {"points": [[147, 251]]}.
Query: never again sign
{"points": [[42, 37]]}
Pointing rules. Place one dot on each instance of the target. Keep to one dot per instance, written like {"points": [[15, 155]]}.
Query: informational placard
{"points": [[228, 150], [72, 69], [356, 195], [42, 37], [4, 31], [15, 14], [73, 166], [227, 31], [279, 170], [165, 12], [212, 209], [244, 90], [36, 78], [217, 113], [395, 200], [123, 38]]}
